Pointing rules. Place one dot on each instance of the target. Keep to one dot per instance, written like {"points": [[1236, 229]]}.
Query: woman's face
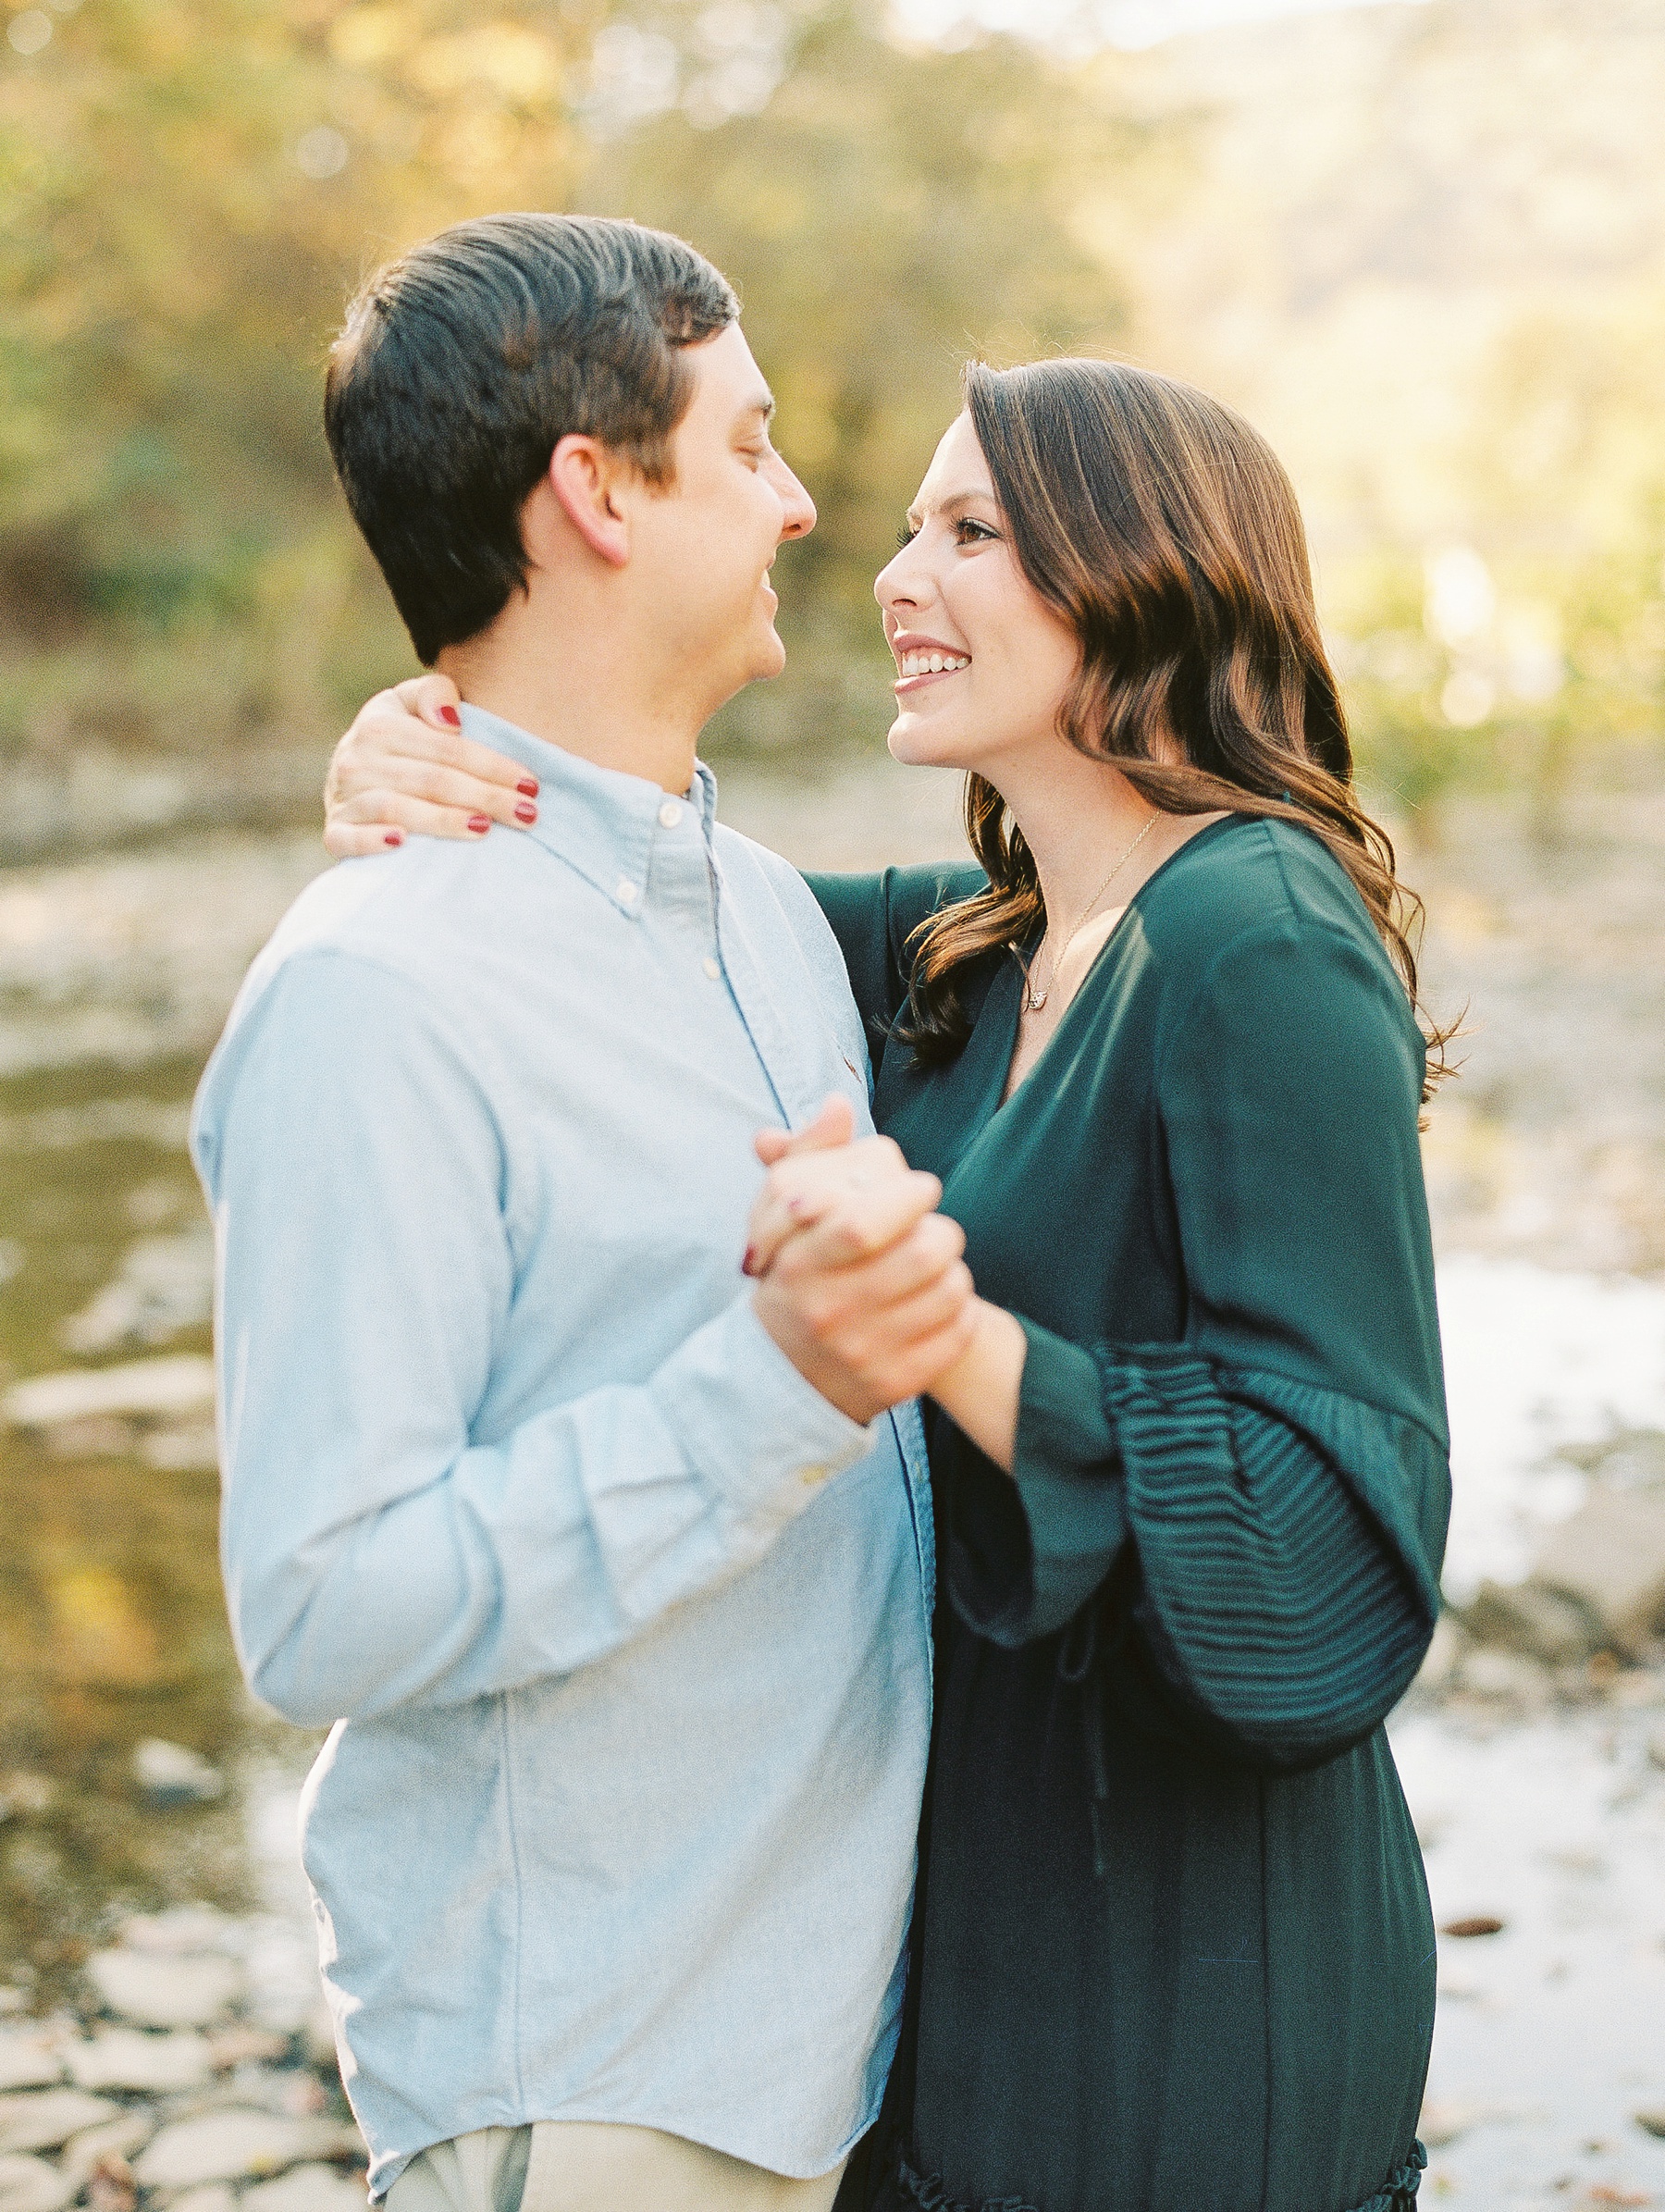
{"points": [[982, 663]]}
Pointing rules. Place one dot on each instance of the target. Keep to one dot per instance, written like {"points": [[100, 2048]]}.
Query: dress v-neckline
{"points": [[1011, 1018]]}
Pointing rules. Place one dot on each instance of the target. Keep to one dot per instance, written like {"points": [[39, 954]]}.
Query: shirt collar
{"points": [[601, 823]]}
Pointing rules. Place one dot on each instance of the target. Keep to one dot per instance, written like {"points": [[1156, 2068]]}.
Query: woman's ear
{"points": [[583, 476]]}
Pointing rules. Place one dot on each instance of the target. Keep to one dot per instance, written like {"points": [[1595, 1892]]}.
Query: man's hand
{"points": [[405, 768], [861, 1280]]}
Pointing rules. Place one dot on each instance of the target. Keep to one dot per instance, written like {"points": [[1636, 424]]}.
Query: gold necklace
{"points": [[1034, 1000]]}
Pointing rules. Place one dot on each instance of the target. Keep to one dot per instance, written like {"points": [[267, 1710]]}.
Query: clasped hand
{"points": [[861, 1280]]}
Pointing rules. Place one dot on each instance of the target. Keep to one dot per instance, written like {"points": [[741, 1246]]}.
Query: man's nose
{"points": [[797, 518]]}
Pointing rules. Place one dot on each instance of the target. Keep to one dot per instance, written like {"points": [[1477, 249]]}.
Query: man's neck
{"points": [[581, 701]]}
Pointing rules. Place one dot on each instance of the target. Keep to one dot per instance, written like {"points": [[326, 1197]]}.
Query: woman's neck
{"points": [[1076, 816]]}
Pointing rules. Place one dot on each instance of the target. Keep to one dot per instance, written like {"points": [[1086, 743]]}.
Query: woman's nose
{"points": [[897, 584]]}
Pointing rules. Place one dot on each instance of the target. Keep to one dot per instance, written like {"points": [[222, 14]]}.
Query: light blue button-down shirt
{"points": [[630, 1626]]}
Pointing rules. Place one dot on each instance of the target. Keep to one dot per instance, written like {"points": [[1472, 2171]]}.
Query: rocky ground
{"points": [[183, 2079], [161, 2043]]}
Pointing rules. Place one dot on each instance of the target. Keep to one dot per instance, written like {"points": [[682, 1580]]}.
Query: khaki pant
{"points": [[589, 2165]]}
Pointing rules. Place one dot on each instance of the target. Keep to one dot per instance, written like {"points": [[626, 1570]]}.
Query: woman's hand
{"points": [[860, 1270], [861, 1281], [405, 767]]}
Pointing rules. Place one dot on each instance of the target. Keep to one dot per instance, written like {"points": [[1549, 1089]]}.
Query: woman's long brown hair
{"points": [[1163, 530]]}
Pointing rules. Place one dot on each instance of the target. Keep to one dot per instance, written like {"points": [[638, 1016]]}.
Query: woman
{"points": [[1173, 1951]]}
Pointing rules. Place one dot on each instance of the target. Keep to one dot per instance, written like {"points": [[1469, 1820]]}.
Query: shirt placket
{"points": [[784, 1046]]}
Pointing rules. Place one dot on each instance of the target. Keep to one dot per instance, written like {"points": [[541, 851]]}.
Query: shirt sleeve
{"points": [[376, 1551], [1258, 1511]]}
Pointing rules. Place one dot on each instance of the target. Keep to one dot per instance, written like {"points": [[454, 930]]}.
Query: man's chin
{"points": [[769, 660], [766, 660]]}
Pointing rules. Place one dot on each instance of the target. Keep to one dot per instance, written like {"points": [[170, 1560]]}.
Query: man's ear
{"points": [[585, 477]]}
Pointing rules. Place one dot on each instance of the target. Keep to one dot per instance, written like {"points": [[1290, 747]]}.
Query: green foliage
{"points": [[196, 188], [890, 212], [1552, 654]]}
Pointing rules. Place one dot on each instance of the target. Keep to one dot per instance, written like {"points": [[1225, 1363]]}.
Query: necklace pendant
{"points": [[1036, 1000]]}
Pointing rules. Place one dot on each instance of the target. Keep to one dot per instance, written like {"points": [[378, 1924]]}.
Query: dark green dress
{"points": [[1173, 1945]]}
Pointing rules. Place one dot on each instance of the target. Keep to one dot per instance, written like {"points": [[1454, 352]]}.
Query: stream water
{"points": [[115, 973]]}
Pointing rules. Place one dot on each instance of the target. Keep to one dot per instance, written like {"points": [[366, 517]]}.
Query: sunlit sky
{"points": [[1122, 22]]}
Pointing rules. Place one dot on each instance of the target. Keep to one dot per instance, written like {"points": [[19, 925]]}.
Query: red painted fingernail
{"points": [[527, 786], [449, 716], [480, 823], [394, 838], [748, 1266], [525, 812]]}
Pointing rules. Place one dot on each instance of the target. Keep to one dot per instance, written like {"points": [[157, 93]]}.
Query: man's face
{"points": [[701, 549]]}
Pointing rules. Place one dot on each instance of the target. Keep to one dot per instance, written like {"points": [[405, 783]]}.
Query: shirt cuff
{"points": [[764, 1438]]}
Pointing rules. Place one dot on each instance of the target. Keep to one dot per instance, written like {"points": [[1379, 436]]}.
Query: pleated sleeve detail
{"points": [[1256, 1510], [1285, 1594]]}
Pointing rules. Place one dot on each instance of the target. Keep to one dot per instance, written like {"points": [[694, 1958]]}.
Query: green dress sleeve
{"points": [[873, 917], [1257, 1511]]}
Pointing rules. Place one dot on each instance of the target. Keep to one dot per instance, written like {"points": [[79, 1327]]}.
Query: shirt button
{"points": [[624, 890], [710, 966], [670, 815]]}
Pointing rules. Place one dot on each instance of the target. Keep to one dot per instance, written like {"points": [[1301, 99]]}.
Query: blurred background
{"points": [[1423, 247]]}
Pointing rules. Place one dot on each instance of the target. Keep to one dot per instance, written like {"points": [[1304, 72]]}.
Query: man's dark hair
{"points": [[463, 364]]}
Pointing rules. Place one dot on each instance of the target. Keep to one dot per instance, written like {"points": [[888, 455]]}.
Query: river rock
{"points": [[163, 1992], [212, 2196], [1609, 1559], [1444, 2123], [307, 2189], [129, 2058], [1505, 1678], [1537, 1623], [26, 1797], [184, 1931], [168, 1774], [1442, 1657], [29, 2062], [41, 2118], [30, 2185], [245, 2046], [113, 2145], [192, 1450], [237, 2144], [143, 1389], [294, 2092], [318, 2037]]}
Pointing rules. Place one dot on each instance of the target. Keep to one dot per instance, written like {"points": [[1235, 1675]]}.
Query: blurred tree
{"points": [[194, 187], [891, 210], [1531, 650], [191, 188]]}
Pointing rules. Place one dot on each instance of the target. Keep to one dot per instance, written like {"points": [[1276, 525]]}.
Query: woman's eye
{"points": [[974, 533], [904, 537]]}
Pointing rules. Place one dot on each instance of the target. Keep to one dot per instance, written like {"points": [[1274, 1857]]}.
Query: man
{"points": [[624, 1590]]}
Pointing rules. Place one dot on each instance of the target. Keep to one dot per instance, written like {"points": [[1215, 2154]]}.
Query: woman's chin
{"points": [[917, 745]]}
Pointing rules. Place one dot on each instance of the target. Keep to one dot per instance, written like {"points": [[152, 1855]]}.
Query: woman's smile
{"points": [[924, 661]]}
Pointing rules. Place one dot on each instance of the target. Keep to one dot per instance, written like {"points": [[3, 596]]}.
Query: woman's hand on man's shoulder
{"points": [[406, 769]]}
